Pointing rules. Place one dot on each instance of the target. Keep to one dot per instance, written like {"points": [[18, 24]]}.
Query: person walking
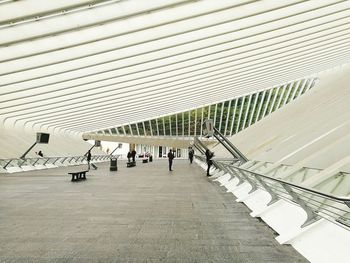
{"points": [[209, 155], [88, 158], [190, 154], [170, 158]]}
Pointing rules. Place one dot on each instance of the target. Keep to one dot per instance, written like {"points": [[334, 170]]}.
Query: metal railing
{"points": [[316, 204], [52, 160]]}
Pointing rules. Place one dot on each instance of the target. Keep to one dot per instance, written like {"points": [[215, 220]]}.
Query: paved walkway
{"points": [[140, 214]]}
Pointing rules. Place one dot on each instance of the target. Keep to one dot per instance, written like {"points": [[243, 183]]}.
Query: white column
{"points": [[288, 93], [295, 90], [240, 115], [189, 123], [144, 128], [216, 109], [195, 122], [281, 97], [233, 116], [274, 99], [170, 132], [222, 113], [260, 106], [202, 122], [246, 112], [227, 117], [253, 110], [150, 125], [157, 127], [176, 124], [137, 129], [267, 103], [183, 126]]}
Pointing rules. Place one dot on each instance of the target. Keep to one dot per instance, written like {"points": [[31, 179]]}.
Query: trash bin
{"points": [[113, 166], [150, 158]]}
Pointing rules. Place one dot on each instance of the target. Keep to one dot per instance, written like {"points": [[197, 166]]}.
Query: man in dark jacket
{"points": [[133, 154], [129, 156], [88, 158], [209, 155], [170, 158], [190, 154]]}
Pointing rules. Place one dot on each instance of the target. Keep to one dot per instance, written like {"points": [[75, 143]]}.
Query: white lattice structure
{"points": [[128, 70], [309, 147]]}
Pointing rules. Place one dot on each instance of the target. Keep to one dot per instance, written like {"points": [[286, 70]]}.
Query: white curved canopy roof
{"points": [[87, 65]]}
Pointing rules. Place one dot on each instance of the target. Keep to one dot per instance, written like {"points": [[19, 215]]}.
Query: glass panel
{"points": [[120, 130], [140, 126], [160, 126], [224, 116], [148, 128], [134, 129], [154, 127], [167, 126], [127, 130], [179, 124], [236, 116]]}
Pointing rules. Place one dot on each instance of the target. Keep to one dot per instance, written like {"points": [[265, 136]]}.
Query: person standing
{"points": [[88, 158], [170, 158], [209, 155], [133, 155], [190, 154], [129, 156]]}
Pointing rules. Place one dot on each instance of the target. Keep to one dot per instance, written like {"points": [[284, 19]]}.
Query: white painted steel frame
{"points": [[50, 79], [264, 107]]}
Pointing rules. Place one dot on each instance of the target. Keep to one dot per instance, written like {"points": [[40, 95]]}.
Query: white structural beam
{"points": [[183, 125], [253, 110], [189, 123], [247, 111], [151, 128], [177, 134], [274, 99], [202, 122], [195, 123], [233, 117], [222, 113], [240, 115], [227, 117], [260, 106], [168, 56], [267, 102], [256, 99]]}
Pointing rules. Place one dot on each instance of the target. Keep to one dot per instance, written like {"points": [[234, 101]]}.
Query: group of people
{"points": [[208, 155], [131, 155], [171, 155]]}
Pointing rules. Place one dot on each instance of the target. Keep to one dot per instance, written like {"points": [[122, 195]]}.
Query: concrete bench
{"points": [[77, 176]]}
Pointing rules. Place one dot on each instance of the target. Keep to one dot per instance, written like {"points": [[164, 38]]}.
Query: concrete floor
{"points": [[140, 214]]}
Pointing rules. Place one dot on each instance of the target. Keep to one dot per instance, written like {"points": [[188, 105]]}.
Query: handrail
{"points": [[306, 198], [228, 145], [339, 198], [18, 162]]}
